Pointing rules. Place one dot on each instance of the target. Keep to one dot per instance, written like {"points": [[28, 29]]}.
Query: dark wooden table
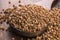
{"points": [[6, 35]]}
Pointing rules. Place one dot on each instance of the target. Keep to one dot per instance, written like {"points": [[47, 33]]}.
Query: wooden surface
{"points": [[6, 35]]}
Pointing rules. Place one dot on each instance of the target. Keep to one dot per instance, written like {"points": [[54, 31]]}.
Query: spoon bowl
{"points": [[27, 34]]}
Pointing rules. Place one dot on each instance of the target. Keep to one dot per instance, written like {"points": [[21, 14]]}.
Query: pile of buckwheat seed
{"points": [[32, 18], [27, 18]]}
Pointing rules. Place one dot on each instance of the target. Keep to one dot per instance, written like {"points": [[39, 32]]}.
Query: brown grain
{"points": [[9, 2], [33, 18]]}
